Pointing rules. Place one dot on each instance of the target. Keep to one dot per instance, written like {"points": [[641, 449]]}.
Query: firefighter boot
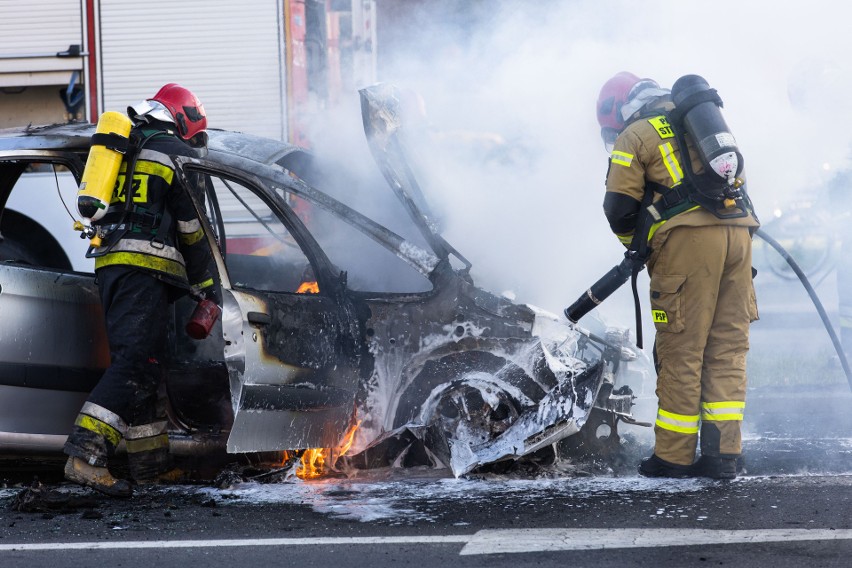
{"points": [[98, 478], [714, 463], [715, 467], [657, 467]]}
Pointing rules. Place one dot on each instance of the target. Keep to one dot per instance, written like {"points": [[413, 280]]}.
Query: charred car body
{"points": [[314, 339]]}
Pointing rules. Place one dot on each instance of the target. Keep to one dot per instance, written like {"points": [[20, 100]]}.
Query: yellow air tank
{"points": [[96, 188]]}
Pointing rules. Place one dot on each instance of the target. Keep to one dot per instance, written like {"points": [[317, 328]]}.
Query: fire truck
{"points": [[263, 67]]}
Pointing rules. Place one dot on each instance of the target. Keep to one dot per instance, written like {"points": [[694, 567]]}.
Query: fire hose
{"points": [[632, 264], [814, 298]]}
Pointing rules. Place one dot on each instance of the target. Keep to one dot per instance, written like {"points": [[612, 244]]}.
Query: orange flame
{"points": [[313, 462], [313, 459], [348, 438], [308, 288]]}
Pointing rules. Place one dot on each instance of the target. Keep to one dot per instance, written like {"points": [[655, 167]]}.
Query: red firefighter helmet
{"points": [[184, 110], [620, 97], [614, 94]]}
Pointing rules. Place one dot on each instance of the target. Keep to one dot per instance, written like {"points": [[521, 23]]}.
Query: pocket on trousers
{"points": [[753, 315], [667, 302]]}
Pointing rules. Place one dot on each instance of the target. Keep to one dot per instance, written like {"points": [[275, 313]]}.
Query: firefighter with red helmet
{"points": [[699, 262], [153, 250]]}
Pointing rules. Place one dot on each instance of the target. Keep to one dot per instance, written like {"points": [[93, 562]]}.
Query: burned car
{"points": [[336, 331]]}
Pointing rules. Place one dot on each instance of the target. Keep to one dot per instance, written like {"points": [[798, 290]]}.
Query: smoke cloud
{"points": [[517, 169], [510, 88]]}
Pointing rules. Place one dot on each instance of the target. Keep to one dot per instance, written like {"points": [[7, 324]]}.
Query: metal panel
{"points": [[39, 26], [230, 55], [31, 34]]}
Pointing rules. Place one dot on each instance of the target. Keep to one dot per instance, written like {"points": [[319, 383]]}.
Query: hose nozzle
{"points": [[604, 287]]}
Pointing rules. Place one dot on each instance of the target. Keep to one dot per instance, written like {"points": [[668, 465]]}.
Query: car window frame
{"points": [[273, 179], [70, 159], [310, 248]]}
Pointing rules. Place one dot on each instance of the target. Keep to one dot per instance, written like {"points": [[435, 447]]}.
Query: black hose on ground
{"points": [[822, 313]]}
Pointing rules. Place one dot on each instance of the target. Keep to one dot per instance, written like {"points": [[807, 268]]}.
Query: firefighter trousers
{"points": [[123, 405], [702, 302]]}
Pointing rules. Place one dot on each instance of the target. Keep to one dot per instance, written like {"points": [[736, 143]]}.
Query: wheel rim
{"points": [[474, 410]]}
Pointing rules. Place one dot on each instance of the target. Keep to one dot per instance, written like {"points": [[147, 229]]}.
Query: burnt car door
{"points": [[53, 346], [292, 343]]}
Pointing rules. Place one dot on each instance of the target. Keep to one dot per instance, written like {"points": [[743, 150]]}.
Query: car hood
{"points": [[382, 115]]}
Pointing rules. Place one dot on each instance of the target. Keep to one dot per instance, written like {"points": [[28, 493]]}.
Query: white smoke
{"points": [[529, 73]]}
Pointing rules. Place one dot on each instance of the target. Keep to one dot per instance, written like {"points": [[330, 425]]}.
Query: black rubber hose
{"points": [[822, 313], [601, 290]]}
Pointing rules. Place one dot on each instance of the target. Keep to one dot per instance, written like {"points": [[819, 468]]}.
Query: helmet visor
{"points": [[149, 110]]}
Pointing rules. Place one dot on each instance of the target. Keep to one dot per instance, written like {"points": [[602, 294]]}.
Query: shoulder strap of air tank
{"points": [[675, 120], [112, 141], [136, 141]]}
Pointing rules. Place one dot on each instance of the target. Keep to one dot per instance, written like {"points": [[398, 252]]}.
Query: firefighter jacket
{"points": [[160, 233], [646, 151]]}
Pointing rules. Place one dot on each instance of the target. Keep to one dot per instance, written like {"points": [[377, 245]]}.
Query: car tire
{"points": [[14, 251], [455, 367]]}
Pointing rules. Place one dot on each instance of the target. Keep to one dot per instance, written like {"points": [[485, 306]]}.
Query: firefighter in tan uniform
{"points": [[702, 295]]}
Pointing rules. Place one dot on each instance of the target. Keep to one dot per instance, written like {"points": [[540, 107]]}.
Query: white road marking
{"points": [[546, 540], [323, 541], [489, 541]]}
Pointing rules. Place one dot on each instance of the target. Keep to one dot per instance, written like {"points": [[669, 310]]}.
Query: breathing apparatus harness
{"points": [[725, 200], [116, 224]]}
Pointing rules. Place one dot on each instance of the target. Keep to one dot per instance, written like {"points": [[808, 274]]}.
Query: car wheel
{"points": [[474, 408], [438, 375], [598, 437], [13, 251]]}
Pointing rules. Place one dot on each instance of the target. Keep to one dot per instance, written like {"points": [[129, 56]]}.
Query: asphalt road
{"points": [[792, 506], [577, 521]]}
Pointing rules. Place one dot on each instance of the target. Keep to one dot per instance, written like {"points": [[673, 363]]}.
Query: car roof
{"points": [[71, 136], [247, 148], [76, 136]]}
